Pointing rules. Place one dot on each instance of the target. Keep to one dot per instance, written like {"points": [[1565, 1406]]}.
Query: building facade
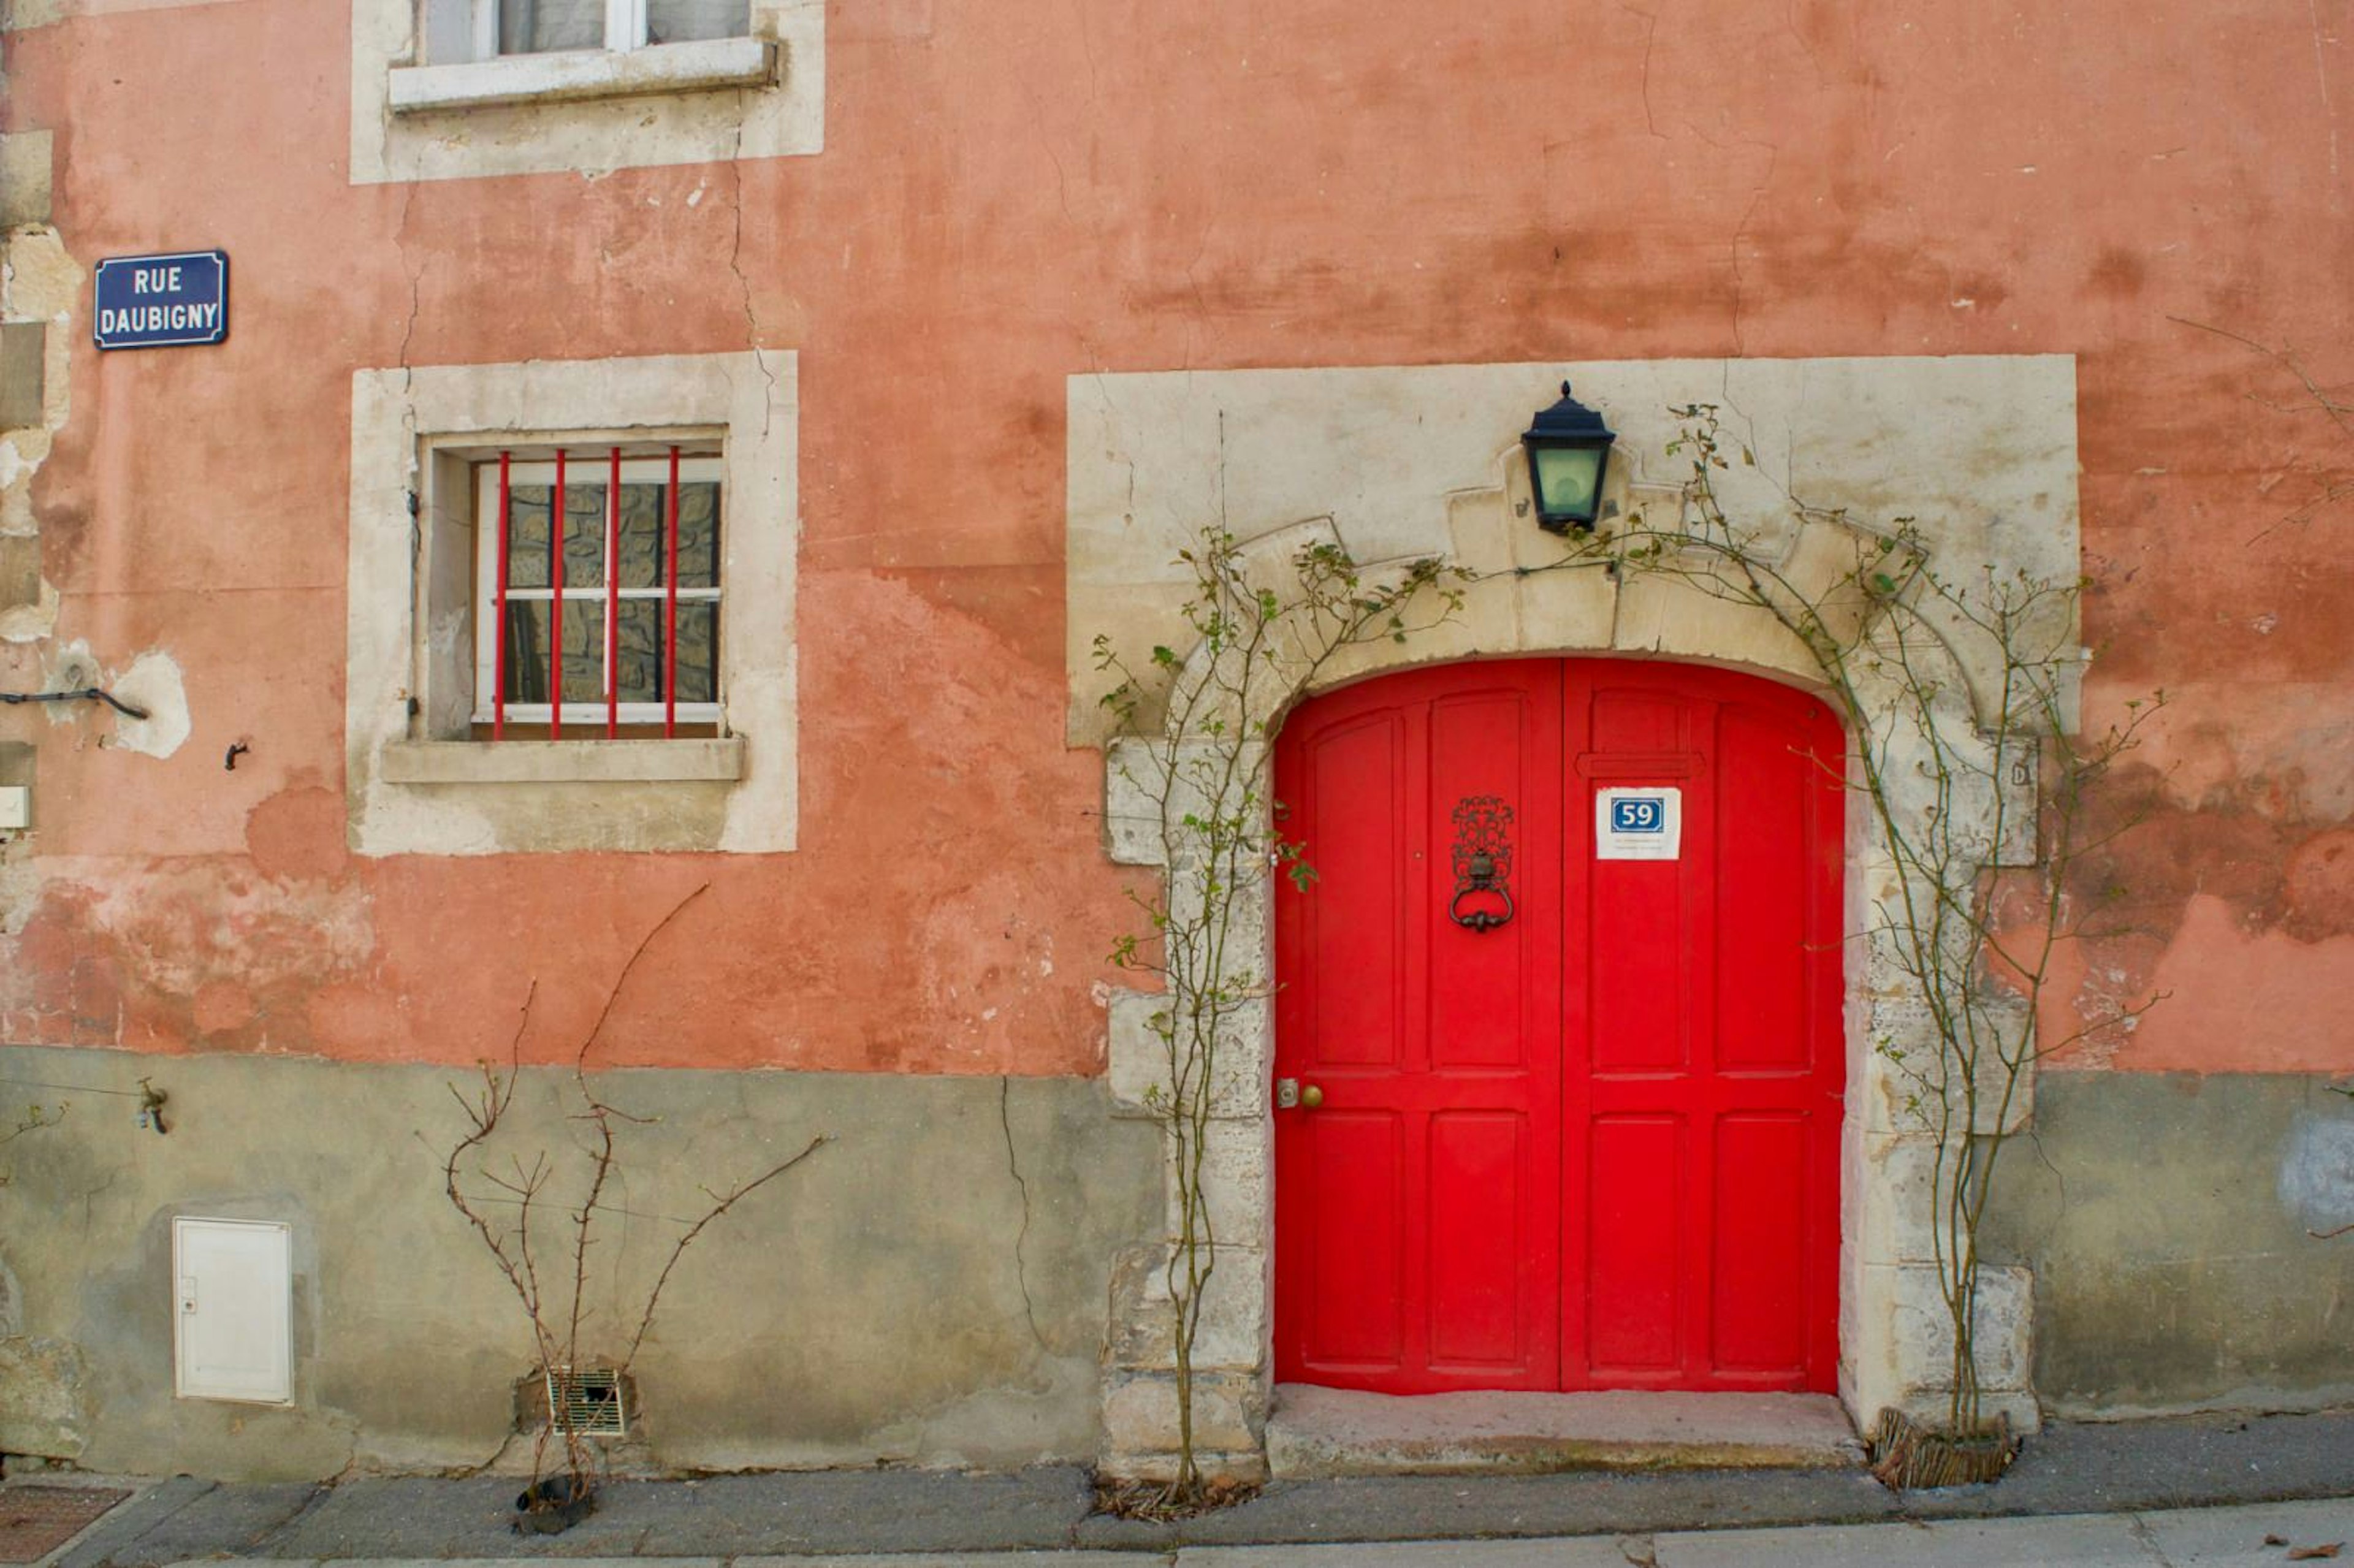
{"points": [[879, 362]]}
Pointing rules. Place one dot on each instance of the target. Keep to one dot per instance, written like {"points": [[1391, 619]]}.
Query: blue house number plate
{"points": [[1644, 823]]}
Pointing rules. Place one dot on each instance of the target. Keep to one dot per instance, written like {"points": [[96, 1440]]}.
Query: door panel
{"points": [[1596, 1146], [1359, 1303], [1633, 1279], [1456, 1278], [1759, 1228], [1478, 1166]]}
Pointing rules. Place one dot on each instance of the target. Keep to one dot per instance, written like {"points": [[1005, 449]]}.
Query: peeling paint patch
{"points": [[2317, 1173], [152, 683], [298, 833]]}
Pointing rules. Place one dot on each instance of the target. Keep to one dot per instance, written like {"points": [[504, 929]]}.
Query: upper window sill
{"points": [[563, 761], [584, 74]]}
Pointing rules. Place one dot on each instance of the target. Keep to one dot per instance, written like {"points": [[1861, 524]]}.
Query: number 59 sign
{"points": [[1643, 823]]}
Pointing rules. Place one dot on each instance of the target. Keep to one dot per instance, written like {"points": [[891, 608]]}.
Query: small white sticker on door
{"points": [[1641, 823]]}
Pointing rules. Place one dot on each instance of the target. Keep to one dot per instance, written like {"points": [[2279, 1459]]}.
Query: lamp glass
{"points": [[1568, 478]]}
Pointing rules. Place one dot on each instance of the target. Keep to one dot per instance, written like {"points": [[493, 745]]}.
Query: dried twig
{"points": [[513, 1247]]}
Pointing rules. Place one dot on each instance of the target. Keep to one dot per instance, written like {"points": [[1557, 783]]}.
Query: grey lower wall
{"points": [[929, 1287], [2168, 1220]]}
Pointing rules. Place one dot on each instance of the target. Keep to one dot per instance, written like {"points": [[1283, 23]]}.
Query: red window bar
{"points": [[555, 605], [670, 610], [613, 599], [499, 619]]}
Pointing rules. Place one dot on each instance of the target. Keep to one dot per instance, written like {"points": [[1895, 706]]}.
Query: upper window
{"points": [[539, 27], [456, 88]]}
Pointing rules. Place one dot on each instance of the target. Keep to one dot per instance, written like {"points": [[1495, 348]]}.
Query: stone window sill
{"points": [[577, 74], [564, 761]]}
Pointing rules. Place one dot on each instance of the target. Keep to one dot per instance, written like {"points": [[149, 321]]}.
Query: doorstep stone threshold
{"points": [[1319, 1432]]}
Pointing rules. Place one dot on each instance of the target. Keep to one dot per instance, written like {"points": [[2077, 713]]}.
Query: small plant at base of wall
{"points": [[550, 1277]]}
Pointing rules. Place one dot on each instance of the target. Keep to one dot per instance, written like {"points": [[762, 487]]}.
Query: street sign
{"points": [[161, 302]]}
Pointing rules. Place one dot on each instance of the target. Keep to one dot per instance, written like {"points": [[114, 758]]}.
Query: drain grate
{"points": [[36, 1520], [588, 1399]]}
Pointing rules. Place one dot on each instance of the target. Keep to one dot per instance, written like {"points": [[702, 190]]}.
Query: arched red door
{"points": [[1596, 1144]]}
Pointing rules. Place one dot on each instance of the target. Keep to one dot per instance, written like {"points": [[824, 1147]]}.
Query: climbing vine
{"points": [[1960, 694], [1264, 626]]}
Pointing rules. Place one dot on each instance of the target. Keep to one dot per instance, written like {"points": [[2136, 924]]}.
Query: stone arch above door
{"points": [[1984, 449]]}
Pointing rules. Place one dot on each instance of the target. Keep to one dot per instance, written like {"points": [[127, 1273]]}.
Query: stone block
{"points": [[1140, 1064], [26, 161], [24, 351], [20, 571], [1569, 609], [1480, 532], [41, 1401], [1894, 1222], [1659, 613], [1151, 786], [1141, 1417], [1922, 1330], [1905, 1071], [1236, 1173], [1243, 1465], [1232, 1332]]}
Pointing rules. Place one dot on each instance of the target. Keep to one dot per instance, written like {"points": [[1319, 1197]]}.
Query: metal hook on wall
{"points": [[151, 1106]]}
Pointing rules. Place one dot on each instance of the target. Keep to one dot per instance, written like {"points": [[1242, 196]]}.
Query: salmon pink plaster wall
{"points": [[1014, 192]]}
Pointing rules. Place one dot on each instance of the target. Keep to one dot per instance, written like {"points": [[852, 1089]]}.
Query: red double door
{"points": [[1595, 1145]]}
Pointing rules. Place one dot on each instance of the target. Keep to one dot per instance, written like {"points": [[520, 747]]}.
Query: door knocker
{"points": [[1483, 860]]}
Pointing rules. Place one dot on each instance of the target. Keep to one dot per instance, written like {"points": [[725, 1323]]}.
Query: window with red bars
{"points": [[597, 581]]}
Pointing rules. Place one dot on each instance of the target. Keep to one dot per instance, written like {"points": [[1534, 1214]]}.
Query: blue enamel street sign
{"points": [[161, 302]]}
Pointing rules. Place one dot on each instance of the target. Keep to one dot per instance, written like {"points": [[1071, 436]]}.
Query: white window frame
{"points": [[625, 26], [584, 719]]}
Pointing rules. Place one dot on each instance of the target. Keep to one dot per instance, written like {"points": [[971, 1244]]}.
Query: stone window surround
{"points": [[707, 100], [1893, 1343], [415, 783]]}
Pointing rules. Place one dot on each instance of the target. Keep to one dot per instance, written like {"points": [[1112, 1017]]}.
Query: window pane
{"points": [[584, 534], [526, 535], [584, 651], [643, 529], [676, 21], [698, 652], [641, 649], [526, 650], [698, 534], [532, 27]]}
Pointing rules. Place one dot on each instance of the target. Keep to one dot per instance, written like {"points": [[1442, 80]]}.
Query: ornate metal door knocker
{"points": [[1483, 860]]}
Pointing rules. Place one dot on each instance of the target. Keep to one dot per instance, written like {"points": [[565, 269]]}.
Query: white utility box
{"points": [[232, 1298], [16, 806]]}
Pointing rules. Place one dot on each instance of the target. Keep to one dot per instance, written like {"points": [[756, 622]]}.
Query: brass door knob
{"points": [[1312, 1096]]}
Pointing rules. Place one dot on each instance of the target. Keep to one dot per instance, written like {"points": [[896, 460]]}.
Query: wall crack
{"points": [[1022, 1237]]}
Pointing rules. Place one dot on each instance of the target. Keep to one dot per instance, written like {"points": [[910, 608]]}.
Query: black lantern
{"points": [[1569, 447]]}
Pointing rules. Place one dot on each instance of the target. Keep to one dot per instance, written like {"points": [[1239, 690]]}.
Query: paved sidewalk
{"points": [[2136, 1476], [2252, 1535]]}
